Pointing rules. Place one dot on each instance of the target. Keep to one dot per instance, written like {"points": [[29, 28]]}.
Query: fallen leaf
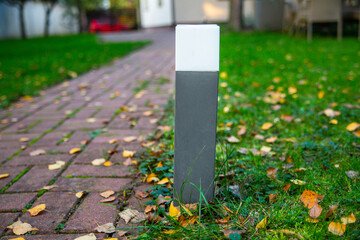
{"points": [[357, 133], [242, 131], [161, 199], [265, 149], [90, 236], [332, 209], [110, 199], [98, 161], [120, 233], [153, 218], [106, 228], [169, 232], [129, 139], [312, 220], [50, 187], [298, 182], [112, 141], [352, 126], [286, 187], [262, 223], [352, 174], [133, 216], [320, 94], [232, 139], [271, 172], [74, 150], [37, 152], [20, 228], [108, 164], [147, 113], [128, 154], [309, 198], [152, 178], [223, 220], [163, 181], [24, 139], [148, 144], [18, 238], [57, 165], [349, 219], [334, 121], [79, 194], [174, 212], [272, 198], [91, 120], [230, 233], [266, 126], [188, 221], [36, 210], [271, 139], [287, 118], [291, 233], [127, 162], [292, 90], [337, 228], [107, 193], [141, 195], [159, 165], [315, 211], [5, 175], [331, 113], [150, 208]]}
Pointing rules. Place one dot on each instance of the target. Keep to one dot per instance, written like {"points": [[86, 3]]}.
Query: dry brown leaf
{"points": [[337, 228], [98, 161], [141, 195], [37, 152], [266, 126], [133, 216], [187, 221], [74, 150], [79, 194], [291, 233], [24, 139], [148, 144], [349, 219], [312, 220], [271, 172], [242, 131], [20, 228], [331, 211], [36, 210], [90, 236], [309, 198], [148, 113], [271, 139], [120, 233], [262, 223], [112, 141], [128, 154], [154, 218], [150, 208], [127, 162], [286, 187], [352, 126], [110, 199], [228, 232], [272, 198], [129, 139], [5, 175], [315, 211], [161, 199], [223, 220], [232, 139], [106, 228], [357, 133], [107, 193], [57, 165]]}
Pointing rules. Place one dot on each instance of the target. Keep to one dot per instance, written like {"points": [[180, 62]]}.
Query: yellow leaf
{"points": [[292, 90], [108, 164], [337, 228], [18, 238], [112, 141], [170, 231], [74, 150], [312, 220], [309, 198], [271, 139], [262, 223], [24, 139], [128, 154], [159, 165], [79, 194], [36, 210], [174, 212], [291, 233], [152, 178], [5, 175], [357, 133], [334, 121], [349, 219], [223, 75], [321, 94], [266, 126], [352, 126], [163, 181], [57, 165], [98, 161]]}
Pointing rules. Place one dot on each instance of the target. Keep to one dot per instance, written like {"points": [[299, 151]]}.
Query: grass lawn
{"points": [[273, 91], [27, 66]]}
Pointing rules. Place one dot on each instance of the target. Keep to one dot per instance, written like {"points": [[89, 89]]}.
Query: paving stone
{"points": [[34, 180], [90, 214], [55, 236], [93, 151], [90, 184], [6, 219], [38, 160], [15, 201], [12, 171], [6, 153], [97, 171], [58, 204], [16, 137]]}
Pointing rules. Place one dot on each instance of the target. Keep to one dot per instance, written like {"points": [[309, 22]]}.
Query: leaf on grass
{"points": [[79, 194], [265, 149], [331, 113], [271, 172], [57, 165], [188, 221], [174, 212], [20, 228], [315, 211], [110, 199], [298, 182], [163, 181], [152, 178], [98, 161], [232, 139], [128, 154], [333, 121], [332, 209], [129, 139], [24, 139], [5, 175], [287, 118], [169, 232], [337, 228], [112, 141], [349, 219], [223, 221], [133, 216], [106, 228], [312, 220], [357, 133], [90, 236], [262, 223], [309, 198], [352, 174], [107, 193], [36, 210], [150, 208], [291, 233], [292, 90], [141, 195], [271, 139], [242, 131], [266, 126], [320, 94], [286, 187], [352, 126], [74, 150], [233, 234], [272, 198], [37, 152]]}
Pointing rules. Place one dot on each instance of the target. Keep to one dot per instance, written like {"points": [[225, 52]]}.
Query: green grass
{"points": [[249, 65], [27, 66]]}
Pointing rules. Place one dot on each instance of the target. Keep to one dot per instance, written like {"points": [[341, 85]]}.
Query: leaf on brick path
{"points": [[153, 120], [287, 118], [262, 223], [286, 187], [161, 199], [91, 120], [24, 139], [141, 195], [98, 161], [18, 238], [315, 211], [20, 228], [337, 228], [50, 187], [106, 228], [90, 236], [5, 175], [174, 212], [79, 194], [147, 113], [309, 198], [108, 164], [357, 133], [349, 219], [107, 193], [150, 208], [59, 164], [242, 131], [163, 181], [232, 139], [231, 232], [152, 178], [112, 141], [352, 126], [148, 144], [332, 209], [285, 231], [133, 216], [84, 142], [320, 94], [188, 221], [140, 94], [120, 233], [128, 154], [4, 121], [272, 198], [298, 182], [127, 162], [110, 199], [36, 210], [266, 126], [352, 174], [333, 121], [37, 152], [292, 90], [271, 139], [271, 172], [74, 150], [129, 139], [312, 220]]}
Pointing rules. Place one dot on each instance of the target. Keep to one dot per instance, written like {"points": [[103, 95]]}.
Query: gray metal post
{"points": [[196, 93]]}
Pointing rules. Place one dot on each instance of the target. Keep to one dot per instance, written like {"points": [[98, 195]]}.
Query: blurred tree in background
{"points": [[20, 5]]}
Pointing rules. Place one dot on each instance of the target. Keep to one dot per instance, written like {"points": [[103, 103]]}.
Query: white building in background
{"points": [[34, 16]]}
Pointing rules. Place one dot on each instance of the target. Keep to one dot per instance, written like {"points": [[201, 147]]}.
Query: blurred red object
{"points": [[100, 25]]}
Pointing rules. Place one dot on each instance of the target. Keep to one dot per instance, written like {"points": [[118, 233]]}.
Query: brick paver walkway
{"points": [[83, 112]]}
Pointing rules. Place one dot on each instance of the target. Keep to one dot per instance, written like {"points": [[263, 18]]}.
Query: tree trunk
{"points": [[80, 13], [47, 20], [22, 22], [236, 14]]}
